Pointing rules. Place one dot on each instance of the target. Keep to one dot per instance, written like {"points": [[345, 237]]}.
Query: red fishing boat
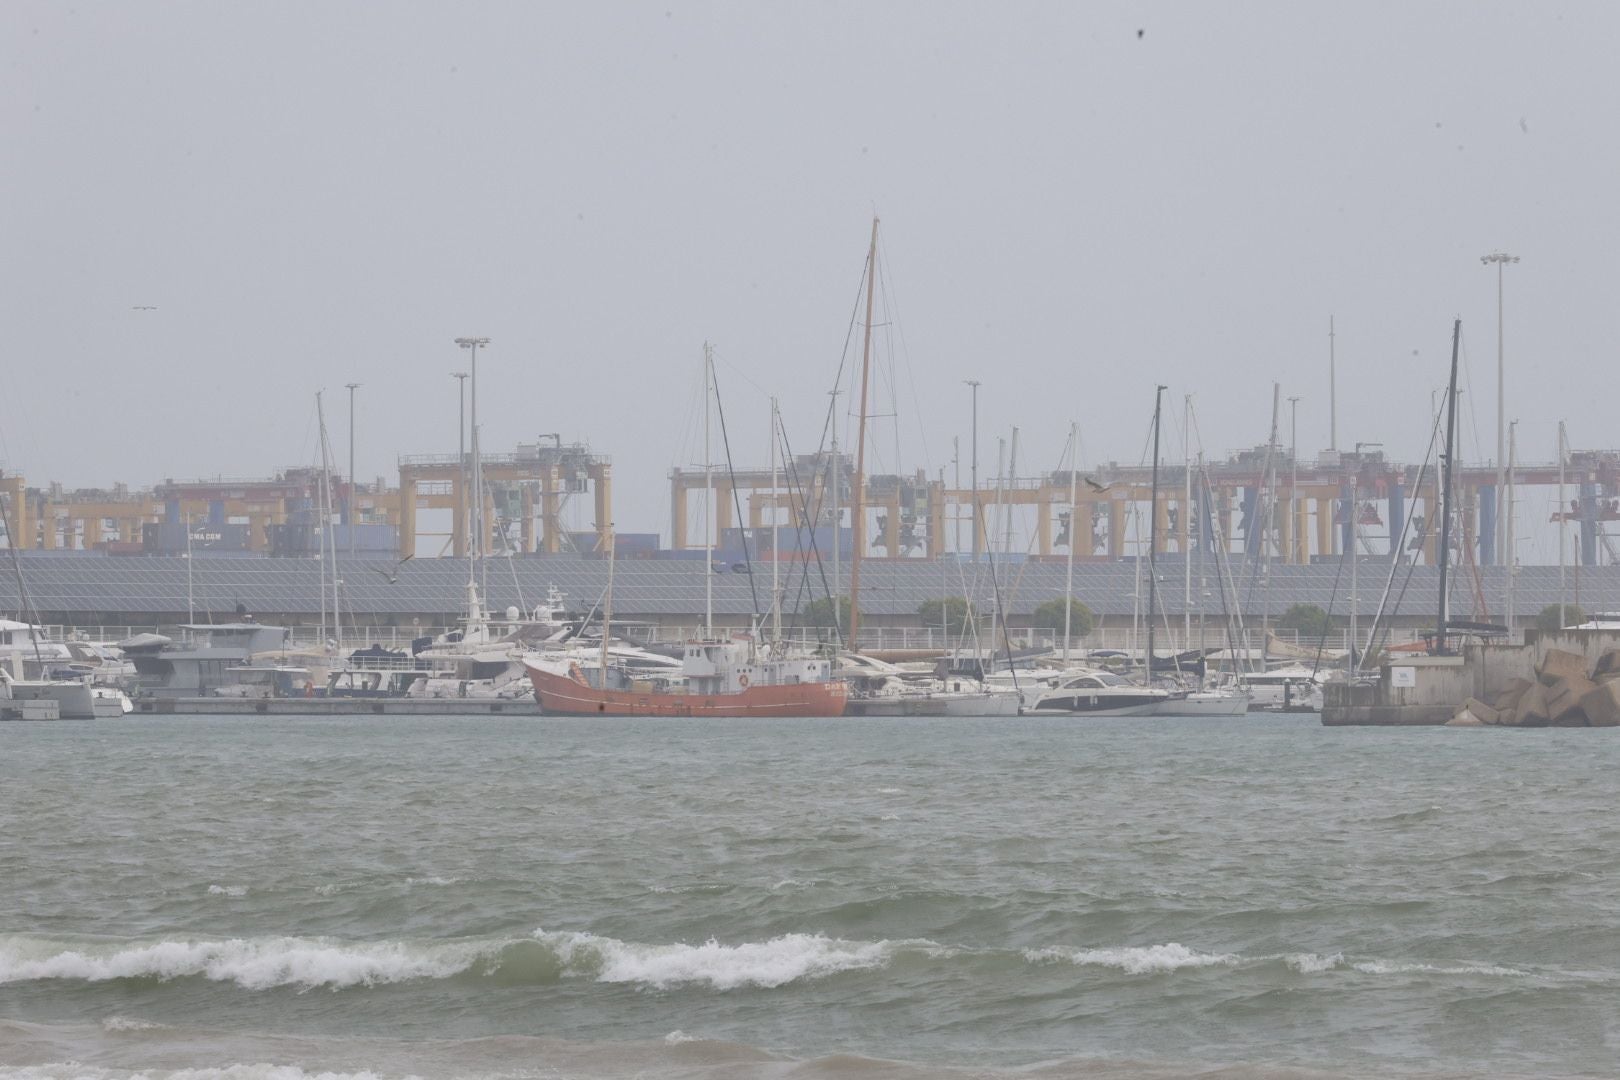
{"points": [[717, 678]]}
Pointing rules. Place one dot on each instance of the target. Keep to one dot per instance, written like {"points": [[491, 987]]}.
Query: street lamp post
{"points": [[1501, 259], [348, 515]]}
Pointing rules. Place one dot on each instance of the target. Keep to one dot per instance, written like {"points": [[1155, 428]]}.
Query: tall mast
{"points": [[607, 601], [320, 526], [1445, 489], [708, 497], [1187, 522], [776, 561], [837, 477], [1512, 462], [1333, 393], [472, 344], [1153, 542], [1074, 531], [857, 520], [1563, 524], [1012, 477]]}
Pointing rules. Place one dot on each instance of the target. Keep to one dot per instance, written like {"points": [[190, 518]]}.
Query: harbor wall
{"points": [[1437, 686]]}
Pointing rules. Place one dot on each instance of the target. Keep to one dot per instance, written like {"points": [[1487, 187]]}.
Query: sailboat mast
{"points": [[25, 605], [1188, 523], [1512, 463], [776, 562], [1445, 490], [708, 497], [1153, 541], [836, 475], [1563, 523], [1074, 531], [607, 602], [320, 520], [857, 522]]}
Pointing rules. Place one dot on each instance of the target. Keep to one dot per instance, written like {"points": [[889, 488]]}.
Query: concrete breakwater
{"points": [[1563, 673]]}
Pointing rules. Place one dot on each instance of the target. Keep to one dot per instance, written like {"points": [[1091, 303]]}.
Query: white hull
{"points": [[1207, 703], [1143, 708], [75, 700]]}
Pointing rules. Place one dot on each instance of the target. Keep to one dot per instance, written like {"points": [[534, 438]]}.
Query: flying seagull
{"points": [[1095, 485], [393, 575], [143, 307]]}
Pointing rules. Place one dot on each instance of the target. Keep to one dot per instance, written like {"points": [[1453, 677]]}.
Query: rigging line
{"points": [[1399, 555], [821, 570], [898, 329], [736, 496], [24, 601], [1222, 572], [1001, 610], [843, 359], [743, 375], [1333, 598]]}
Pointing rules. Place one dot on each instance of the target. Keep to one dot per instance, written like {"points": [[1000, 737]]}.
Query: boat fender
{"points": [[309, 689], [742, 680]]}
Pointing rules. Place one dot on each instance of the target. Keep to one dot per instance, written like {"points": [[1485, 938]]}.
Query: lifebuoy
{"points": [[742, 680]]}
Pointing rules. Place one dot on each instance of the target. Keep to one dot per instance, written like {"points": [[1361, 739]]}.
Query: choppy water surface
{"points": [[842, 898]]}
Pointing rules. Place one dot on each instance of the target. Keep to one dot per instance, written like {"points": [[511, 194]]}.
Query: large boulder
{"points": [[1507, 699], [1480, 711], [1564, 701], [1560, 664], [1464, 718], [1608, 665], [1602, 704], [1532, 710]]}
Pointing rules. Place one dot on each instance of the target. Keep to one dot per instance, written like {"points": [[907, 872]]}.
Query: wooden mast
{"points": [[857, 522]]}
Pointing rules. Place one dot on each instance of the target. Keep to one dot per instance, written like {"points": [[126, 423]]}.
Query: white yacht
{"points": [[1099, 693], [1294, 688]]}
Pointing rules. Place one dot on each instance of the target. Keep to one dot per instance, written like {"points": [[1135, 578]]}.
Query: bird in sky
{"points": [[393, 575], [1096, 485], [143, 307]]}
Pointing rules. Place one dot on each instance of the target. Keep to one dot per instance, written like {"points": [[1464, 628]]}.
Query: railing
{"points": [[874, 638]]}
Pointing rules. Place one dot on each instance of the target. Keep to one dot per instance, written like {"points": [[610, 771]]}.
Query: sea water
{"points": [[290, 898]]}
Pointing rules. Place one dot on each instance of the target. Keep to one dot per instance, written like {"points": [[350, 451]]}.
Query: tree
{"points": [[952, 612], [1553, 618], [1049, 616], [819, 613], [1307, 620]]}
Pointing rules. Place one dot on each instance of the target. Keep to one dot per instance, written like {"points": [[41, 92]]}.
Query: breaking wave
{"points": [[550, 957], [72, 1070]]}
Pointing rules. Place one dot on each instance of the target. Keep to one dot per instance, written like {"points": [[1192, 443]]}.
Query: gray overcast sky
{"points": [[319, 193]]}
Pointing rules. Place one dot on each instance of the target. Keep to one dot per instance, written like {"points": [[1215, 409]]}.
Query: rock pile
{"points": [[1564, 694]]}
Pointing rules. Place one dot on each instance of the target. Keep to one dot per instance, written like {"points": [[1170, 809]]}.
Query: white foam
{"points": [[435, 880], [676, 1037], [235, 892], [767, 964], [254, 964], [1390, 967], [130, 1023], [72, 1070], [1136, 960], [1312, 963]]}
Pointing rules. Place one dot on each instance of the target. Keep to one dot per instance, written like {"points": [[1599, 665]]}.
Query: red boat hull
{"points": [[562, 695]]}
